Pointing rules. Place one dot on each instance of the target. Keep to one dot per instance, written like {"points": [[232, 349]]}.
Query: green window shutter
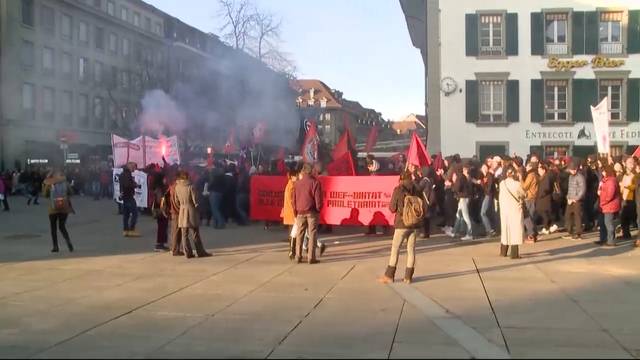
{"points": [[591, 32], [512, 34], [537, 100], [633, 100], [537, 33], [472, 101], [513, 101], [633, 32], [585, 94], [577, 33], [471, 27]]}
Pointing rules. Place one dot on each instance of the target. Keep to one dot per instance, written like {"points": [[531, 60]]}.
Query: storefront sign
{"points": [[597, 62], [584, 134], [37, 161]]}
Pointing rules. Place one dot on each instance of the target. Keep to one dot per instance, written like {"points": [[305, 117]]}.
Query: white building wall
{"points": [[461, 137]]}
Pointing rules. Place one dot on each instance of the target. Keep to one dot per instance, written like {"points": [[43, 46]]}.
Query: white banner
{"points": [[601, 117], [141, 190], [144, 150]]}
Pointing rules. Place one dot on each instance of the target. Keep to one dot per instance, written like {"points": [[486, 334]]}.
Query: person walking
{"points": [[402, 231], [609, 193], [188, 217], [307, 200], [487, 209], [463, 189], [288, 213], [511, 198], [57, 190], [159, 212], [129, 207], [628, 185], [530, 186], [575, 194], [4, 192]]}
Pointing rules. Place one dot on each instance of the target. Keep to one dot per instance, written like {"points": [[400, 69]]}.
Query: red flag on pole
{"points": [[345, 124], [372, 139], [310, 145], [438, 162], [637, 152], [230, 145], [342, 146], [342, 166], [418, 154]]}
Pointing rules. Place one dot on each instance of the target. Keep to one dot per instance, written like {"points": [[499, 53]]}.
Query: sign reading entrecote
{"points": [[584, 134]]}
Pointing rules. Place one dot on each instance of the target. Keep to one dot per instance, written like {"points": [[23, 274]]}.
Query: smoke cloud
{"points": [[229, 91]]}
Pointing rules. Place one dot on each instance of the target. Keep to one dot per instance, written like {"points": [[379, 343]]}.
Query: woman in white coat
{"points": [[511, 198]]}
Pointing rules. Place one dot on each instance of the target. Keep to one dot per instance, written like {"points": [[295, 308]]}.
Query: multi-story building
{"points": [[332, 112], [72, 72], [506, 77]]}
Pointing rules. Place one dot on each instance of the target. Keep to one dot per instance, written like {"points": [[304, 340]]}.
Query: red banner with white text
{"points": [[348, 200]]}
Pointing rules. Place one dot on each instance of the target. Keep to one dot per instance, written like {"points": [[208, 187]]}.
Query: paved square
{"points": [[114, 297]]}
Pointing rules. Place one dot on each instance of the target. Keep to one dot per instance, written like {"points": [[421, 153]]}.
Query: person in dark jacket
{"points": [[129, 207], [463, 188], [402, 232], [57, 190], [242, 196], [487, 210], [216, 192], [160, 200], [307, 200], [590, 206], [543, 198]]}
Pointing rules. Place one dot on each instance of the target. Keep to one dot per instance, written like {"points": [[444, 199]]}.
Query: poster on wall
{"points": [[141, 190]]}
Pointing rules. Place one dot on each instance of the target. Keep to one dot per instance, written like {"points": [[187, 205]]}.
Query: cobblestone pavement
{"points": [[115, 297]]}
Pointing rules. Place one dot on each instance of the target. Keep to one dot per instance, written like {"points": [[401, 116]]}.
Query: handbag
{"points": [[523, 206]]}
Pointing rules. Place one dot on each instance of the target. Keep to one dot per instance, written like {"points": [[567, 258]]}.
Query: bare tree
{"points": [[256, 32], [238, 16]]}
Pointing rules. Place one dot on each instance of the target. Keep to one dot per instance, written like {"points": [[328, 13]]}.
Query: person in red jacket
{"points": [[610, 200]]}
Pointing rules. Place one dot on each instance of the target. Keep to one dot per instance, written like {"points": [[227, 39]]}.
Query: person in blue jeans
{"points": [[487, 211], [216, 194], [129, 207]]}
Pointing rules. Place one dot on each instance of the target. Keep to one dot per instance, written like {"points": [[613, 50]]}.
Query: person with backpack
{"points": [[57, 190], [159, 211], [408, 207]]}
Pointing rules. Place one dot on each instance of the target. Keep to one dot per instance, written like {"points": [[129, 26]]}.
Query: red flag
{"points": [[230, 146], [418, 154], [438, 163], [345, 124], [310, 145], [342, 146], [637, 152], [372, 139], [342, 166]]}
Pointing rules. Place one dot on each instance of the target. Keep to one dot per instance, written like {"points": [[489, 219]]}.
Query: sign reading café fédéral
{"points": [[597, 62]]}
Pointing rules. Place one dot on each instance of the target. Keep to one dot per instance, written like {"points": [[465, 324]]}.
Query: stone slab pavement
{"points": [[114, 297]]}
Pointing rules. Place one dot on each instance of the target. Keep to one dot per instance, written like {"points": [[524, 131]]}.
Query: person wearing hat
{"points": [[575, 195]]}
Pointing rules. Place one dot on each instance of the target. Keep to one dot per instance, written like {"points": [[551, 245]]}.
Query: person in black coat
{"points": [[543, 198]]}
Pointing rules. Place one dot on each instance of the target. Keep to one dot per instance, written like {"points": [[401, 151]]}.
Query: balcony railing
{"points": [[491, 50], [557, 49], [611, 48]]}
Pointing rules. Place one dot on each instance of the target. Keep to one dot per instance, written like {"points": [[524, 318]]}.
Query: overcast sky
{"points": [[361, 47]]}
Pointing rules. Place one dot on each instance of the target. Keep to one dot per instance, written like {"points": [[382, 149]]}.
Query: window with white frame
{"points": [[97, 72], [83, 109], [27, 54], [65, 105], [28, 97], [147, 23], [158, 28], [66, 64], [98, 111], [47, 60], [611, 32], [113, 43], [65, 27], [47, 19], [83, 68], [111, 8], [124, 13], [136, 19], [492, 95], [83, 32], [491, 35], [612, 88], [47, 103], [556, 25], [616, 150], [555, 100], [126, 45], [556, 150]]}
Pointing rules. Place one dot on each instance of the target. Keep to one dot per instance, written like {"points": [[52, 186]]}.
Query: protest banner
{"points": [[347, 200], [141, 190]]}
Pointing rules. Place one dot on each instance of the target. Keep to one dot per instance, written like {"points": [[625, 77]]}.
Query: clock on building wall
{"points": [[448, 85]]}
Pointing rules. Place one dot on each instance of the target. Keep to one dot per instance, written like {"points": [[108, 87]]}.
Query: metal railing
{"points": [[557, 49], [611, 48]]}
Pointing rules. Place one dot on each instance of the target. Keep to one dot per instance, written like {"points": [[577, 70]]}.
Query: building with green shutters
{"points": [[506, 77]]}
